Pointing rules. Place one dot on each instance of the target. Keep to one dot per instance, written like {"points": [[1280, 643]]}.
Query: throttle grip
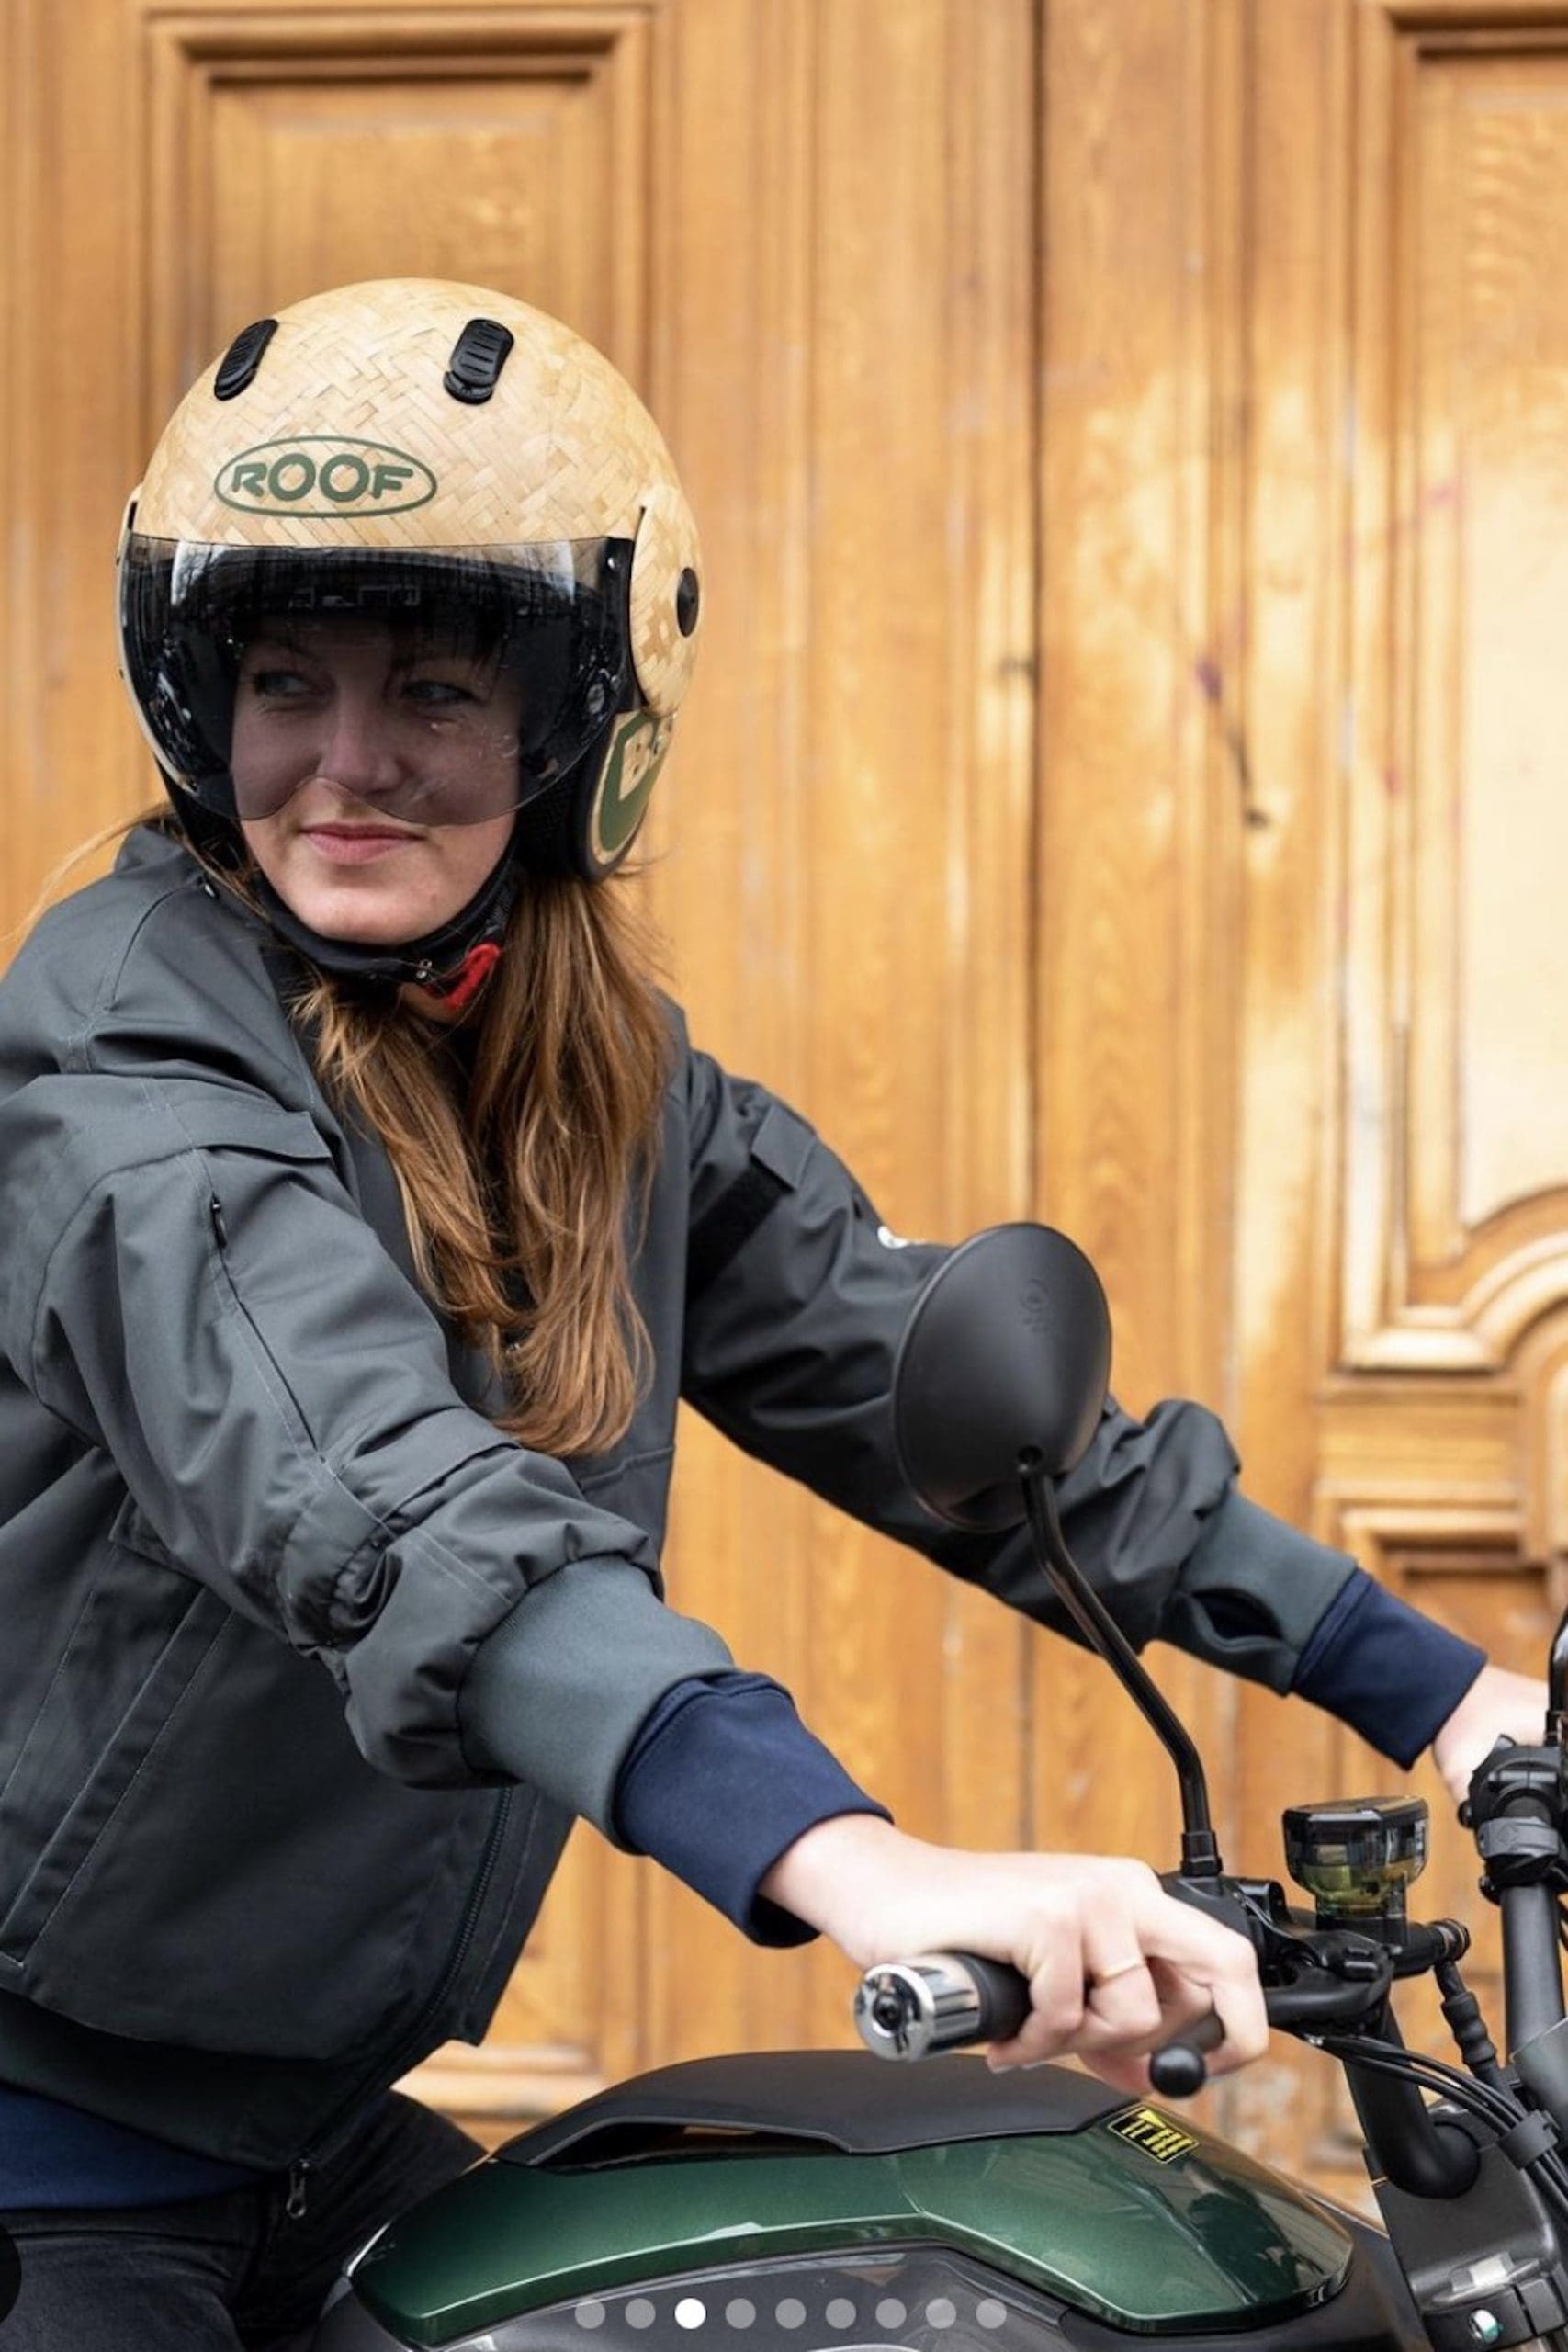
{"points": [[942, 2000], [939, 2000]]}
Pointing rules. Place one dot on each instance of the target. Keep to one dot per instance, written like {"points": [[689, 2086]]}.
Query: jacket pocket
{"points": [[259, 1888], [138, 1640]]}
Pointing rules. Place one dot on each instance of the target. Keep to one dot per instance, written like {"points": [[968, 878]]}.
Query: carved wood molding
{"points": [[244, 59], [1402, 1539], [1454, 1181], [1491, 21], [1436, 1468]]}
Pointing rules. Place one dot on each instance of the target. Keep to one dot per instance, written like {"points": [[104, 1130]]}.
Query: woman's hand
{"points": [[1115, 1965], [1497, 1706]]}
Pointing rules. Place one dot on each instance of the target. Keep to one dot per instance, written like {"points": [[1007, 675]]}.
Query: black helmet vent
{"points": [[477, 357], [239, 364]]}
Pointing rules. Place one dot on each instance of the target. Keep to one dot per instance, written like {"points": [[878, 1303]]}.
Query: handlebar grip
{"points": [[943, 2000], [1178, 2071], [939, 2000]]}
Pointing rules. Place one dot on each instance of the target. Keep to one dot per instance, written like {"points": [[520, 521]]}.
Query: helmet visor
{"points": [[445, 687]]}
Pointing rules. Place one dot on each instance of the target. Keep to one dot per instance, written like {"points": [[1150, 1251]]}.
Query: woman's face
{"points": [[337, 723]]}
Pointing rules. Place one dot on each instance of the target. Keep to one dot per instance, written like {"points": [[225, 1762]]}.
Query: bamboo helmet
{"points": [[443, 460]]}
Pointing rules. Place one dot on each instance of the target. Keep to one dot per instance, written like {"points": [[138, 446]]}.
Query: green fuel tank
{"points": [[798, 2200]]}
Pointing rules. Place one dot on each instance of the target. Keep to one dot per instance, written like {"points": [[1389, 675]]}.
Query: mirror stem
{"points": [[1199, 1854]]}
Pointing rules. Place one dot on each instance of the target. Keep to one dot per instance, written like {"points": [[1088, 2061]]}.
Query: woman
{"points": [[367, 1211]]}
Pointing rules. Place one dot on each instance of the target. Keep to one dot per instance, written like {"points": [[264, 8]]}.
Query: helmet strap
{"points": [[459, 988]]}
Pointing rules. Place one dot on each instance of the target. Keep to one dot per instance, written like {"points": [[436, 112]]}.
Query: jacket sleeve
{"points": [[798, 1298], [188, 1284]]}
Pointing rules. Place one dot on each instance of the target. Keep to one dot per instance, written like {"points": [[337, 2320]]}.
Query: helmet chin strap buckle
{"points": [[458, 990]]}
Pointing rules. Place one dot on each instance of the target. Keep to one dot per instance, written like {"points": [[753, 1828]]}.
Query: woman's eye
{"points": [[438, 693], [279, 685]]}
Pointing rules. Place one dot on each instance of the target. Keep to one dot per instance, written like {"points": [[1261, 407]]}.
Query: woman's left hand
{"points": [[1497, 1706]]}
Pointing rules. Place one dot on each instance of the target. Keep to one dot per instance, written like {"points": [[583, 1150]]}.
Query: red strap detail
{"points": [[471, 974]]}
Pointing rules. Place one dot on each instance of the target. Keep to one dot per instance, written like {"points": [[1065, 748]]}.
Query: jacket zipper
{"points": [[305, 2164]]}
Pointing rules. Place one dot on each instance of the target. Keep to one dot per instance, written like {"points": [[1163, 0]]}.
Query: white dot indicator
{"points": [[741, 2313], [940, 2312], [990, 2313], [640, 2312], [890, 2312], [689, 2312], [791, 2312], [840, 2311], [591, 2314]]}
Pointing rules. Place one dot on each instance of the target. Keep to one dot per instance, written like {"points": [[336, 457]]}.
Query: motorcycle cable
{"points": [[1546, 2168], [1482, 2072], [1484, 2089], [1432, 2074], [1472, 2034]]}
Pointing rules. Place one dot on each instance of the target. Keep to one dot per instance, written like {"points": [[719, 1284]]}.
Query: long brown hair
{"points": [[521, 1183]]}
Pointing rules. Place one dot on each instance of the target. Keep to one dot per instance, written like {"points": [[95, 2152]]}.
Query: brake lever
{"points": [[1337, 1978], [1312, 1977]]}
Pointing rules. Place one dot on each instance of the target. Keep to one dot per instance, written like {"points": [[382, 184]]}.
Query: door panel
{"points": [[1129, 443], [806, 232], [1403, 1236]]}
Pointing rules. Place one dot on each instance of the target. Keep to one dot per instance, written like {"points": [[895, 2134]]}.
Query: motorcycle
{"points": [[795, 2201]]}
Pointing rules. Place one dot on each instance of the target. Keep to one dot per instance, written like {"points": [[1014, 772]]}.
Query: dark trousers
{"points": [[216, 2273]]}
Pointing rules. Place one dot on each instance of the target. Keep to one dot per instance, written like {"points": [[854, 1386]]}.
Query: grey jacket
{"points": [[255, 1527]]}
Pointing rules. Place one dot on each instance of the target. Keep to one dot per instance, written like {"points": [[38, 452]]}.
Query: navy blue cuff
{"points": [[721, 1779], [1383, 1668]]}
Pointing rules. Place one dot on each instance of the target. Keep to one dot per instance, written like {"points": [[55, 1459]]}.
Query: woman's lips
{"points": [[354, 846]]}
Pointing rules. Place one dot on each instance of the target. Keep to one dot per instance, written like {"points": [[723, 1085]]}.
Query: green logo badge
{"points": [[636, 754], [324, 473], [1154, 2133]]}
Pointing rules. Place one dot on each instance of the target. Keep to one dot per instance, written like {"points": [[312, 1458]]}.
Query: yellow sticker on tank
{"points": [[1155, 2134]]}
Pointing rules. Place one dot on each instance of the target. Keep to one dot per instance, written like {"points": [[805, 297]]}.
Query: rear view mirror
{"points": [[1006, 1353]]}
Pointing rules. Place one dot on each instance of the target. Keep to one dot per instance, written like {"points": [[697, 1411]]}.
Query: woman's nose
{"points": [[359, 750]]}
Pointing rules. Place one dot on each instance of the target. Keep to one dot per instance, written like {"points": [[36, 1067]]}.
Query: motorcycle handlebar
{"points": [[945, 2000], [1532, 1962]]}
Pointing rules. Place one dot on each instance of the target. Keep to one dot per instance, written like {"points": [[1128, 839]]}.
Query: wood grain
{"points": [[1120, 783], [806, 231]]}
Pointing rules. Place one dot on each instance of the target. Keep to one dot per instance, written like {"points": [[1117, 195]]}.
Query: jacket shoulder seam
{"points": [[77, 1048]]}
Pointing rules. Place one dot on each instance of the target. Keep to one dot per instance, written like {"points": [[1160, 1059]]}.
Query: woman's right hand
{"points": [[1116, 1967]]}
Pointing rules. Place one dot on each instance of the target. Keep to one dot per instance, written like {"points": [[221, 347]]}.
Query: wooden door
{"points": [[1302, 983], [807, 232], [1120, 785], [1402, 1269]]}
